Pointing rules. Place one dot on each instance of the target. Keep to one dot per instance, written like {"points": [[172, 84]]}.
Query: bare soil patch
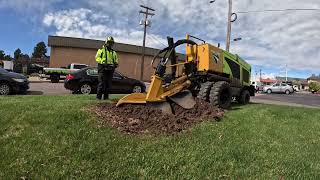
{"points": [[142, 119]]}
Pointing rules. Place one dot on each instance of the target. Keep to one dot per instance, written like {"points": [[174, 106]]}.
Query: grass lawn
{"points": [[44, 137]]}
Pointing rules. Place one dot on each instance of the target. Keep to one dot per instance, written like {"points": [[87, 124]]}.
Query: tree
{"points": [[2, 54], [17, 54], [314, 86], [40, 50], [7, 58], [25, 57]]}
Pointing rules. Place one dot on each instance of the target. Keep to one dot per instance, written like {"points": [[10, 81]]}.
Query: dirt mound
{"points": [[140, 119]]}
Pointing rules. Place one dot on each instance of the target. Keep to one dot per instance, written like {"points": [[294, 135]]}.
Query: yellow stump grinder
{"points": [[208, 73]]}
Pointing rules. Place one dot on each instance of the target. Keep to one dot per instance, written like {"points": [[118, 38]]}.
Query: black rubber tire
{"points": [[5, 89], [269, 91], [287, 92], [135, 89], [244, 97], [55, 78], [220, 95], [204, 92], [86, 88]]}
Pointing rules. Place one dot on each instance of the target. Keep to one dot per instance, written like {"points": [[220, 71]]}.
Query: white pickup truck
{"points": [[55, 74]]}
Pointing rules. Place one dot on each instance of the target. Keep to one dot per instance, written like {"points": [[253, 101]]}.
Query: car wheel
{"points": [[85, 88], [137, 89], [269, 91], [55, 78], [287, 92], [5, 89]]}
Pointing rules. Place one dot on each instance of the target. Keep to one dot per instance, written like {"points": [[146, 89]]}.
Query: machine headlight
{"points": [[18, 80]]}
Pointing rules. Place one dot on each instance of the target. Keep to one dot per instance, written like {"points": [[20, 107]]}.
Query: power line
{"points": [[157, 39], [151, 39], [275, 10]]}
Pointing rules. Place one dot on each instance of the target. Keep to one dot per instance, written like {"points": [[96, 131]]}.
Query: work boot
{"points": [[105, 97]]}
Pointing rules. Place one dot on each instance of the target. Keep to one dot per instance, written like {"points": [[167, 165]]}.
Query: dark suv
{"points": [[11, 82]]}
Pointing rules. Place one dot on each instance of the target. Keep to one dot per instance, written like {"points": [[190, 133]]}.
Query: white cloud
{"points": [[269, 39], [84, 23]]}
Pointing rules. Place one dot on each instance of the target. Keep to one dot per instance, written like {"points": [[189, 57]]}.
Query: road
{"points": [[296, 99], [47, 88]]}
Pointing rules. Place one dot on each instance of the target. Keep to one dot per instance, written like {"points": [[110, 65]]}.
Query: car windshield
{"points": [[3, 70], [119, 74]]}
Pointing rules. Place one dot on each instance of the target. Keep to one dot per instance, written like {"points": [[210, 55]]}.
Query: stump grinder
{"points": [[208, 73]]}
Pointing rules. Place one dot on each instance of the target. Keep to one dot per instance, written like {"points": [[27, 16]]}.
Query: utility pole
{"points": [[146, 11], [229, 26], [286, 73], [230, 20], [260, 74]]}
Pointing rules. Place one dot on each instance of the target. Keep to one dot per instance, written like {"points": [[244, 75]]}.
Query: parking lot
{"points": [[296, 99], [47, 88]]}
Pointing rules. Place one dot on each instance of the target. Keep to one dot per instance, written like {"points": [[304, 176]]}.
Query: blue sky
{"points": [[270, 41]]}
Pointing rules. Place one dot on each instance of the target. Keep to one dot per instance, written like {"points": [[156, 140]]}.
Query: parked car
{"points": [[11, 82], [258, 86], [85, 81], [278, 88], [35, 68]]}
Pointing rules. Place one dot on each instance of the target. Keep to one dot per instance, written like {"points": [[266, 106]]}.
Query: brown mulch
{"points": [[142, 119]]}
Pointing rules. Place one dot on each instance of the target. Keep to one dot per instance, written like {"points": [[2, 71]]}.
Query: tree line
{"points": [[39, 51]]}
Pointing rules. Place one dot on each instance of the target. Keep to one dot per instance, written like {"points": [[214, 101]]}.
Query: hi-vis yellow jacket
{"points": [[104, 56]]}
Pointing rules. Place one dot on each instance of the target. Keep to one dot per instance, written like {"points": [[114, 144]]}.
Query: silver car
{"points": [[278, 88]]}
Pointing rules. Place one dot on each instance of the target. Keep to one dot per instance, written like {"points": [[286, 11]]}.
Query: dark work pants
{"points": [[105, 82]]}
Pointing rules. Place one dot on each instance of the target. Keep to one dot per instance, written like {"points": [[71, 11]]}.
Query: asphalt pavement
{"points": [[295, 99], [47, 88]]}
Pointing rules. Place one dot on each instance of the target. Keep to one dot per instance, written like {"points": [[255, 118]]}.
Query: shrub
{"points": [[314, 86]]}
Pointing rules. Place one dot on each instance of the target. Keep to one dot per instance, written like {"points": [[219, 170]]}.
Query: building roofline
{"points": [[72, 42], [290, 78], [314, 78]]}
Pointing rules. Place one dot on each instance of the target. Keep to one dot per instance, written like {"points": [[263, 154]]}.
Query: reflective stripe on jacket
{"points": [[104, 56]]}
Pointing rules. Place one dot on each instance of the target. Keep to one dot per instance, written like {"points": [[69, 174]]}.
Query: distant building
{"points": [[268, 81], [67, 50], [314, 79], [8, 65], [301, 83]]}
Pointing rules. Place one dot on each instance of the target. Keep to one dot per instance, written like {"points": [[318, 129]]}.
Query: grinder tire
{"points": [[204, 92], [220, 94]]}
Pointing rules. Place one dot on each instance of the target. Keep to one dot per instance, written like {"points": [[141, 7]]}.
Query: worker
{"points": [[107, 60]]}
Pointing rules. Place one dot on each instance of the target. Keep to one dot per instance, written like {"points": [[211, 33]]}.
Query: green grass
{"points": [[43, 137]]}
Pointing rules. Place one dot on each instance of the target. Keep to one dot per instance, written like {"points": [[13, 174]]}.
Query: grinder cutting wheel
{"points": [[160, 94], [209, 73]]}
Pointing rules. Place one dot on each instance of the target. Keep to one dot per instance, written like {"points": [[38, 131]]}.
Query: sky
{"points": [[271, 41]]}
